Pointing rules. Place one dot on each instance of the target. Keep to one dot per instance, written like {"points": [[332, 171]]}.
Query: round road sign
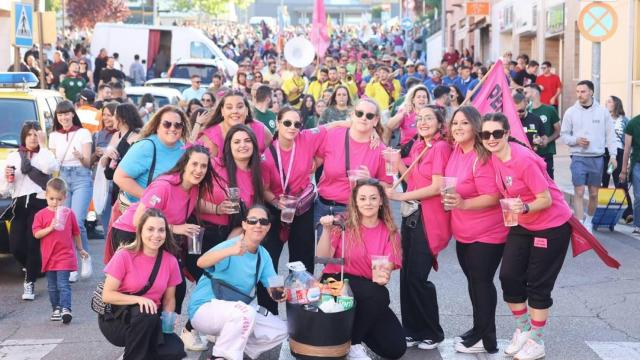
{"points": [[598, 21], [407, 24]]}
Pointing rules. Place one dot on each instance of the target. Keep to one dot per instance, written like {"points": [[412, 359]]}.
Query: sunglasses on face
{"points": [[521, 111], [497, 134], [168, 124], [369, 116], [254, 221], [296, 124]]}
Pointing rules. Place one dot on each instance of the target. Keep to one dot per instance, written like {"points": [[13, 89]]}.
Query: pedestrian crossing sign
{"points": [[23, 30]]}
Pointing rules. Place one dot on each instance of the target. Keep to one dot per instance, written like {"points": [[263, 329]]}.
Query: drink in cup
{"points": [[380, 264], [194, 242], [234, 197], [391, 157], [355, 175], [62, 213], [289, 210], [448, 187], [168, 321], [276, 285], [510, 218]]}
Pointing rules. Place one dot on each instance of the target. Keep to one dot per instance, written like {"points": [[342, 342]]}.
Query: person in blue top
{"points": [[465, 82], [240, 262], [162, 138]]}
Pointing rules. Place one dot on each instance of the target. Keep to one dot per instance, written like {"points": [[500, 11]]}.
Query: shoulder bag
{"points": [[57, 173], [101, 308], [308, 194], [227, 292]]}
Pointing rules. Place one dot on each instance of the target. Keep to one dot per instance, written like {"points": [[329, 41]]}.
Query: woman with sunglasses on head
{"points": [[240, 262], [345, 149], [416, 99], [25, 177], [477, 226], [425, 232], [536, 247], [232, 109], [338, 107], [369, 231], [71, 146]]}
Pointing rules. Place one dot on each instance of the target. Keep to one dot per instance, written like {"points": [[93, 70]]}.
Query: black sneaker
{"points": [[66, 316], [56, 315]]}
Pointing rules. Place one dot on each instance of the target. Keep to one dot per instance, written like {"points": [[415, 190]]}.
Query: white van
{"points": [[168, 44]]}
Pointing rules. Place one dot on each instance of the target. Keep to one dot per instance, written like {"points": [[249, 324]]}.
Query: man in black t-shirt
{"points": [[531, 123], [110, 73], [527, 76]]}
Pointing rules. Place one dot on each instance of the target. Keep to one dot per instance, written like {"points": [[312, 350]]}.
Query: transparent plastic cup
{"points": [[510, 218], [62, 214], [234, 197], [194, 242], [168, 321], [391, 158], [289, 211], [448, 187], [379, 265], [276, 284], [355, 175]]}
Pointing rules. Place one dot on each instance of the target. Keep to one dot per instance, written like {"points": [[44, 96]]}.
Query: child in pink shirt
{"points": [[57, 248]]}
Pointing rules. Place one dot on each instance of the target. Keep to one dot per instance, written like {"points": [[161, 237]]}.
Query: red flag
{"points": [[582, 240], [319, 35], [495, 96]]}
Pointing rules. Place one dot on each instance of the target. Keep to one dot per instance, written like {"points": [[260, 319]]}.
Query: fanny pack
{"points": [[306, 199], [227, 292], [407, 208]]}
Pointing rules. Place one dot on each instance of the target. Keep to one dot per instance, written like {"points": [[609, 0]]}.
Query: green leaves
{"points": [[209, 7]]}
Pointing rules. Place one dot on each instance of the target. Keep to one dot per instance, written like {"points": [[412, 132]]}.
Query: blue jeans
{"points": [[320, 210], [79, 190], [635, 182], [105, 217], [59, 289]]}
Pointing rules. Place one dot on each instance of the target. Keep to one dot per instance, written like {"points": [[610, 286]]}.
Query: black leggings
{"points": [[479, 262], [301, 242], [375, 323], [24, 247], [531, 264], [418, 298]]}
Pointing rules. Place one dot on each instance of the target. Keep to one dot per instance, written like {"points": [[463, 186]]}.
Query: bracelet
{"points": [[525, 208]]}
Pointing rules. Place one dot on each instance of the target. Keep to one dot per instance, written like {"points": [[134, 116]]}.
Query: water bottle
{"points": [[610, 169], [346, 296]]}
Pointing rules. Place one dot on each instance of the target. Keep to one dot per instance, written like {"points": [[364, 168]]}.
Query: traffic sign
{"points": [[597, 21], [478, 8], [23, 25], [406, 24]]}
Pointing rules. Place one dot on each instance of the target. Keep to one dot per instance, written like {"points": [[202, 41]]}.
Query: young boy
{"points": [[56, 246]]}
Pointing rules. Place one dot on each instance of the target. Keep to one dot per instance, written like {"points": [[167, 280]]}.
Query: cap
{"points": [[409, 63], [387, 57], [438, 70], [87, 95]]}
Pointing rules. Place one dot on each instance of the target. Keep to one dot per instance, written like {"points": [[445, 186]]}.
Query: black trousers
{"points": [[301, 242], [549, 160], [141, 336], [24, 247], [213, 235], [621, 184], [530, 267], [375, 323], [418, 298], [479, 262]]}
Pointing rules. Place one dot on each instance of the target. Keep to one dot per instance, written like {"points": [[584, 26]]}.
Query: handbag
{"points": [[98, 305], [227, 292]]}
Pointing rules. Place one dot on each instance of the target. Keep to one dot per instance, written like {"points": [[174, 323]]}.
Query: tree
{"points": [[83, 13], [52, 5], [210, 7]]}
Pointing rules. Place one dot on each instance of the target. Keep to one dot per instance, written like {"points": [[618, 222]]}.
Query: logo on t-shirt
{"points": [[508, 181], [263, 157], [543, 118], [315, 130], [272, 124]]}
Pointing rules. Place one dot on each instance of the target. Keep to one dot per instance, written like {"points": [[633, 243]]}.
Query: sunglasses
{"points": [[497, 134], [168, 124], [369, 116], [254, 221], [296, 124], [367, 181], [521, 111]]}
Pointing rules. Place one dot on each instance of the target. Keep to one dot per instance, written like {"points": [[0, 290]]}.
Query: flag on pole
{"points": [[329, 26], [319, 36], [495, 96]]}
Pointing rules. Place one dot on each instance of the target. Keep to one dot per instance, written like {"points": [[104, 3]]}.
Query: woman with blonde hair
{"points": [[417, 98]]}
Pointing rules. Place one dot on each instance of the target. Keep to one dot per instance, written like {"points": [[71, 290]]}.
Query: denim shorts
{"points": [[586, 170]]}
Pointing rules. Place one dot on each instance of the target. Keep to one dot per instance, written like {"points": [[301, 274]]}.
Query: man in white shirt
{"points": [[195, 91]]}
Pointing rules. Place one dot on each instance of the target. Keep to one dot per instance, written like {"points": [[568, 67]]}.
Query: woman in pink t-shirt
{"points": [[536, 247], [134, 321], [232, 109], [425, 232], [369, 231], [417, 98], [476, 224]]}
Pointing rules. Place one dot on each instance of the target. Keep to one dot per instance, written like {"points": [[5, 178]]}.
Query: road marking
{"points": [[27, 349], [615, 350], [448, 352]]}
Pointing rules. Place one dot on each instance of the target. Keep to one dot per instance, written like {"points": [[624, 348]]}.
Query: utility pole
{"points": [[40, 13]]}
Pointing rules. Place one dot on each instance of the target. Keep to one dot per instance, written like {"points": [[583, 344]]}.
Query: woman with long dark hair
{"points": [[308, 112], [620, 121], [25, 177], [339, 106], [477, 226]]}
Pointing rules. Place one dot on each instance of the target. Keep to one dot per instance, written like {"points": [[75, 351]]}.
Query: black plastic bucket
{"points": [[318, 335]]}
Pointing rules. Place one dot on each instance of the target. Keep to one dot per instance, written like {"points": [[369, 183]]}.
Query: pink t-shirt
{"points": [[524, 176], [133, 270], [165, 194], [408, 127], [57, 248], [214, 134], [375, 241], [474, 179], [436, 221], [334, 183], [306, 145]]}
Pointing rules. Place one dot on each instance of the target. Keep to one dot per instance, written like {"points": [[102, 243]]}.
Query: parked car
{"points": [[163, 95], [172, 83], [206, 68]]}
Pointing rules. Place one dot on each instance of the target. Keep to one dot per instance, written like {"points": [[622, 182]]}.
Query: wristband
{"points": [[525, 208]]}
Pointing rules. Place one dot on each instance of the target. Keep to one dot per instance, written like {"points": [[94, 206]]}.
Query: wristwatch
{"points": [[526, 208]]}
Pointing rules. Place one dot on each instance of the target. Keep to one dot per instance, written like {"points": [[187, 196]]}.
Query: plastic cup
{"points": [[448, 187], [276, 284], [379, 264], [168, 321], [355, 175], [62, 214], [391, 157], [510, 218], [195, 242], [234, 197], [289, 211]]}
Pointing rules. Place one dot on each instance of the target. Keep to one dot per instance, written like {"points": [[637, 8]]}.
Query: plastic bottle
{"points": [[346, 296], [610, 169], [300, 286]]}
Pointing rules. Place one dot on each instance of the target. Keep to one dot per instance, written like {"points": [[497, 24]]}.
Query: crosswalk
{"points": [[27, 349]]}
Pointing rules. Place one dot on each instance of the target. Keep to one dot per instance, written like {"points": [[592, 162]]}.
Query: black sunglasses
{"points": [[296, 124], [254, 221], [521, 111], [497, 134], [367, 181], [369, 116], [177, 125]]}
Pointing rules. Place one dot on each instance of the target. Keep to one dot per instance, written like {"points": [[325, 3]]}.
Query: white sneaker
{"points": [[73, 276], [411, 342], [517, 342], [475, 349], [428, 345], [530, 351], [192, 340], [28, 293], [588, 223], [357, 352]]}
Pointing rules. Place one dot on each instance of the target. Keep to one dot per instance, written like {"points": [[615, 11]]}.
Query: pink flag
{"points": [[319, 35], [495, 96]]}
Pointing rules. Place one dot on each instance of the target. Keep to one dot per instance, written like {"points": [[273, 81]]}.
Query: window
{"points": [[201, 51], [15, 113]]}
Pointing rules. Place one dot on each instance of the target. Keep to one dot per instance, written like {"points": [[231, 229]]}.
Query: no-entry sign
{"points": [[598, 21]]}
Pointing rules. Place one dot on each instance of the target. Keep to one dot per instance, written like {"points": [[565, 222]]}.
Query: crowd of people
{"points": [[275, 130]]}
